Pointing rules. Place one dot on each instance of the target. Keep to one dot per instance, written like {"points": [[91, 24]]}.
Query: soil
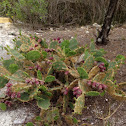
{"points": [[98, 111]]}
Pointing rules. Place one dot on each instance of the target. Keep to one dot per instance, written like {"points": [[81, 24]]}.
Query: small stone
{"points": [[51, 29], [87, 32], [19, 121], [99, 39], [106, 100]]}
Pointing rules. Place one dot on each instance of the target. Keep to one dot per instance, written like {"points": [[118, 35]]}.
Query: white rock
{"points": [[19, 121], [51, 29], [87, 32], [97, 25]]}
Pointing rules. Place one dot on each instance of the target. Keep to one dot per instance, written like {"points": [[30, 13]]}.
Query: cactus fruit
{"points": [[96, 85], [102, 67], [8, 85], [66, 72], [77, 91], [39, 40], [65, 92]]}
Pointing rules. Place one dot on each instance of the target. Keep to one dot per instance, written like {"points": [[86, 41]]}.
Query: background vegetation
{"points": [[60, 11]]}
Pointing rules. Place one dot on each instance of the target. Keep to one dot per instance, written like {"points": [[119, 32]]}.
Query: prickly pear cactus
{"points": [[58, 73]]}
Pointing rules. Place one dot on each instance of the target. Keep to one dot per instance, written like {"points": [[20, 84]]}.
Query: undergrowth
{"points": [[55, 12], [57, 76]]}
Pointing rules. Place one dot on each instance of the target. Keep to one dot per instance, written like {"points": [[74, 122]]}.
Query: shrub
{"points": [[28, 11], [58, 76]]}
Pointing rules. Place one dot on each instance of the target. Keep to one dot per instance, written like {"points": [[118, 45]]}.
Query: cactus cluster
{"points": [[10, 93], [97, 85], [59, 72], [102, 67], [34, 81], [77, 91]]}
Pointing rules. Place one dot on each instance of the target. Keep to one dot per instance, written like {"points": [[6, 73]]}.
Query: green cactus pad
{"points": [[70, 53], [89, 63], [74, 73], [44, 44], [92, 46], [120, 57], [65, 44], [50, 71], [52, 115], [111, 89], [6, 63], [33, 55], [13, 68], [24, 97], [98, 53], [101, 59], [16, 54], [44, 102], [86, 55], [3, 82], [53, 44], [92, 93], [59, 65], [112, 65], [109, 75], [18, 76], [82, 72], [79, 104], [73, 44], [99, 77], [18, 43], [83, 86], [44, 54], [39, 75], [93, 71], [25, 47], [79, 50], [3, 106], [49, 78], [3, 71]]}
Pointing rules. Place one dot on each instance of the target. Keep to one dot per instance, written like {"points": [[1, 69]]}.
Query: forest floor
{"points": [[98, 111]]}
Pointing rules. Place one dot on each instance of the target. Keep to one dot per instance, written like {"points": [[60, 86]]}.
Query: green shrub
{"points": [[58, 81], [32, 11]]}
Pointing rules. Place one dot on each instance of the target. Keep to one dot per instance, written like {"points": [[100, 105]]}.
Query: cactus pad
{"points": [[33, 55], [89, 63], [79, 104], [93, 72], [43, 102]]}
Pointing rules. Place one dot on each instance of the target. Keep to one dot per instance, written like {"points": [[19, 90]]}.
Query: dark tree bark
{"points": [[102, 38]]}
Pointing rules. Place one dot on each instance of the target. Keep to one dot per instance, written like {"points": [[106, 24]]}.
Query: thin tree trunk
{"points": [[102, 38]]}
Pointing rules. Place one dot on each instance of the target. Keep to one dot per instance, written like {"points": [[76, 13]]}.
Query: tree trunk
{"points": [[102, 38]]}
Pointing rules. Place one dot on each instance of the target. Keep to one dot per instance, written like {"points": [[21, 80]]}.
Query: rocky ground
{"points": [[97, 109]]}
